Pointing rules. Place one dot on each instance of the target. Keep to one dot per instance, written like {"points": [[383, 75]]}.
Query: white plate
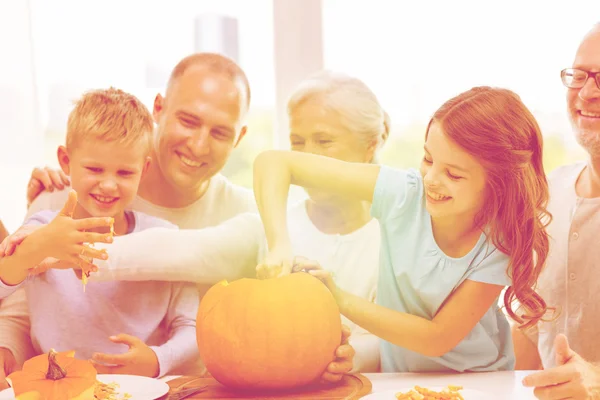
{"points": [[467, 394], [139, 387]]}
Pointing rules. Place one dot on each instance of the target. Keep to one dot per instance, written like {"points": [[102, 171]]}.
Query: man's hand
{"points": [[45, 179], [139, 360], [344, 360], [8, 364], [572, 378]]}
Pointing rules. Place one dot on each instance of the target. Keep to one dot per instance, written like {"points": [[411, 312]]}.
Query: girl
{"points": [[453, 236]]}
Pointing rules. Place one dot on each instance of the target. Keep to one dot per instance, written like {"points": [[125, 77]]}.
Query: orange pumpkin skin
{"points": [[30, 396], [268, 334], [77, 383]]}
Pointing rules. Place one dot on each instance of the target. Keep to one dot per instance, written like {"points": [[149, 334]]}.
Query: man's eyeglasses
{"points": [[577, 78]]}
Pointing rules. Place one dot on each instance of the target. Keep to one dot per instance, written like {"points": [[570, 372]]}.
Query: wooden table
{"points": [[505, 385], [499, 385]]}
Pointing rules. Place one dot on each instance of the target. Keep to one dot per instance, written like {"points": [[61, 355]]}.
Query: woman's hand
{"points": [[278, 262], [64, 238]]}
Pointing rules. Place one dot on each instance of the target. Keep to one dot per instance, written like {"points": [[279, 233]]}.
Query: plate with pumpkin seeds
{"points": [[118, 387]]}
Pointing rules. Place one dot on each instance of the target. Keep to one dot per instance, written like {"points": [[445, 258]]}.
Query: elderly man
{"points": [[567, 346]]}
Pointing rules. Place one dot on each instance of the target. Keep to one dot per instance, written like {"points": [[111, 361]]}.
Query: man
{"points": [[199, 122], [570, 280]]}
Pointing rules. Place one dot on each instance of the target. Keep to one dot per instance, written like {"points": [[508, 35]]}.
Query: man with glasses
{"points": [[567, 346]]}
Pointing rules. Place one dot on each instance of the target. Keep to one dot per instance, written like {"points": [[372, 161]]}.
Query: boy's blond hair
{"points": [[111, 115]]}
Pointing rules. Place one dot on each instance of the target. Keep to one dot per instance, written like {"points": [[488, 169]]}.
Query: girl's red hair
{"points": [[495, 126]]}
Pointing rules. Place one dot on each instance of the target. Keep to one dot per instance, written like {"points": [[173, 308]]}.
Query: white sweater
{"points": [[233, 249]]}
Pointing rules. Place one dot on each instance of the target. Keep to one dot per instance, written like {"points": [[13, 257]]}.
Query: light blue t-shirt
{"points": [[416, 277]]}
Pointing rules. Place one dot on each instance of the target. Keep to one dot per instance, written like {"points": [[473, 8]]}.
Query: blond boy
{"points": [[118, 324]]}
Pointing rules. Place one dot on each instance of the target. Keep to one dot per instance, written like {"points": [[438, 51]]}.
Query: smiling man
{"points": [[199, 121], [567, 347]]}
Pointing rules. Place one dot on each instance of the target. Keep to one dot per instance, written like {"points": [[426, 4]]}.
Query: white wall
{"points": [[22, 143], [298, 52]]}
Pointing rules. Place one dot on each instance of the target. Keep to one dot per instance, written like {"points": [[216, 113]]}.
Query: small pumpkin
{"points": [[276, 333], [55, 376]]}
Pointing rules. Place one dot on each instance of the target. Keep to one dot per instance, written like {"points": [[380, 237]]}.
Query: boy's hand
{"points": [[344, 360], [64, 237], [53, 263], [139, 360], [45, 179], [7, 366]]}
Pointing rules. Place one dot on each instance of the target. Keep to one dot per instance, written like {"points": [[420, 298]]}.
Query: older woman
{"points": [[332, 115]]}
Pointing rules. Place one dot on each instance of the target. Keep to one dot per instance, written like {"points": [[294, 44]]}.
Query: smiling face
{"points": [[584, 104], [198, 126], [454, 180], [316, 130], [105, 175]]}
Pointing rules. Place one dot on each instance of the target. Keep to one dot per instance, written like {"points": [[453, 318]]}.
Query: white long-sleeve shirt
{"points": [[234, 248], [222, 201]]}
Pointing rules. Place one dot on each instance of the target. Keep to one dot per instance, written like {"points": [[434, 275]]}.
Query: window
{"points": [[134, 45], [416, 56]]}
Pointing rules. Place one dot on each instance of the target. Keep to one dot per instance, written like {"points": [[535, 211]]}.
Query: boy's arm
{"points": [[14, 269], [227, 251], [15, 326], [181, 347]]}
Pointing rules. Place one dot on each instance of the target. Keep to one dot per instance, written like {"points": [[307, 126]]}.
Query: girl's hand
{"points": [[315, 269], [277, 263]]}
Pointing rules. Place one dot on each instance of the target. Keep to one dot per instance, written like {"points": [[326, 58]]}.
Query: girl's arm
{"points": [[462, 310], [275, 171], [227, 251], [527, 356]]}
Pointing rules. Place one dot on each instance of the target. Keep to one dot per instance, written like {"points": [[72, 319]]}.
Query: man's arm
{"points": [[15, 326], [526, 351]]}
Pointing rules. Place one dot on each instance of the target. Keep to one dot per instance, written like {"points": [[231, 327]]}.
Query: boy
{"points": [[108, 141]]}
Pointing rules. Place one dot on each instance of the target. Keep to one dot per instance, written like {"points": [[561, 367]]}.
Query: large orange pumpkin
{"points": [[55, 376], [268, 334]]}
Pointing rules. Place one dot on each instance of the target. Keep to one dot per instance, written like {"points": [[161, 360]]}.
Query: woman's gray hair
{"points": [[354, 102]]}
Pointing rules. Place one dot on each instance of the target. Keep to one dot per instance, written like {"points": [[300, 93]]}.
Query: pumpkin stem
{"points": [[55, 371]]}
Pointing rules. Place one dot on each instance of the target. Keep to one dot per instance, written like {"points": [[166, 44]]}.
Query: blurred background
{"points": [[413, 54]]}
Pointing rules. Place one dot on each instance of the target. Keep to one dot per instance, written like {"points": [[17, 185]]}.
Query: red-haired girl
{"points": [[453, 235]]}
